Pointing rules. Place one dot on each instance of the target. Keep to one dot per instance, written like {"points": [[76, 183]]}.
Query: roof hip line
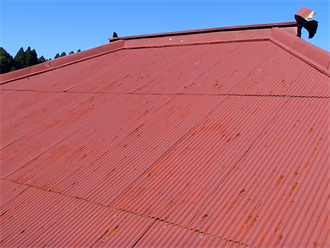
{"points": [[310, 54]]}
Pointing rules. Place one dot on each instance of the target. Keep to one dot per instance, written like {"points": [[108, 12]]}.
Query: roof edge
{"points": [[209, 30], [311, 54], [62, 61], [281, 34]]}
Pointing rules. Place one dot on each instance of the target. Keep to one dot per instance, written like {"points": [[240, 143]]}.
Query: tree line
{"points": [[22, 59]]}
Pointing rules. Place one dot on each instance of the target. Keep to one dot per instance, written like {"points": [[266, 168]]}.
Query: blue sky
{"points": [[52, 27]]}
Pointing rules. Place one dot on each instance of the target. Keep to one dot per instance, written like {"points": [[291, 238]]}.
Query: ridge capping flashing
{"points": [[209, 30]]}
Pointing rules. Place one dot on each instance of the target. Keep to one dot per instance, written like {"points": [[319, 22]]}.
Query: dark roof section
{"points": [[283, 34]]}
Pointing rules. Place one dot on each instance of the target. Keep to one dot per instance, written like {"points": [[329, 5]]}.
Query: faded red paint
{"points": [[157, 142]]}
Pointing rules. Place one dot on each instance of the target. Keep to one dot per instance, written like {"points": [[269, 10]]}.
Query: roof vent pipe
{"points": [[303, 18]]}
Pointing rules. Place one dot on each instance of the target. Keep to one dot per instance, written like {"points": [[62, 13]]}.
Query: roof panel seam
{"points": [[168, 94], [133, 213], [145, 232]]}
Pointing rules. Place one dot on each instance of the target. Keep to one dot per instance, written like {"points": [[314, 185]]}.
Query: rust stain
{"points": [[239, 196], [255, 219], [248, 220], [112, 231], [280, 236], [111, 171], [259, 204], [205, 216], [313, 127], [279, 226], [3, 213], [241, 193], [101, 236], [136, 129], [294, 188], [274, 171], [280, 179], [297, 171], [216, 83]]}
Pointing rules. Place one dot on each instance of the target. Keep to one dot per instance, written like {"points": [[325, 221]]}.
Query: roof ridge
{"points": [[279, 33], [207, 30]]}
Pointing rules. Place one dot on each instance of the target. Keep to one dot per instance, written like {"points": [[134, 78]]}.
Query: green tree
{"points": [[57, 56], [34, 57], [63, 54], [41, 59], [20, 61], [72, 52], [6, 61], [78, 51], [28, 57]]}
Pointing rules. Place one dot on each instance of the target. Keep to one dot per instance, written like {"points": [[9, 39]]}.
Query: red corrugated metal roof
{"points": [[202, 138]]}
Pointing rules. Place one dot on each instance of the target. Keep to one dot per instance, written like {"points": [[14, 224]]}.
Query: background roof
{"points": [[208, 139], [59, 26]]}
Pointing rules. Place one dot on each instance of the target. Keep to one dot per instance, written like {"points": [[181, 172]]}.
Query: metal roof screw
{"points": [[165, 226], [201, 236], [114, 216]]}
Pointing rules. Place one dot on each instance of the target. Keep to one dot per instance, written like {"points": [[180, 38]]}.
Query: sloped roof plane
{"points": [[203, 138]]}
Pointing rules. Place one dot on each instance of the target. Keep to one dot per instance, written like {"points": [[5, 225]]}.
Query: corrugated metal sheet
{"points": [[223, 144], [38, 218]]}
